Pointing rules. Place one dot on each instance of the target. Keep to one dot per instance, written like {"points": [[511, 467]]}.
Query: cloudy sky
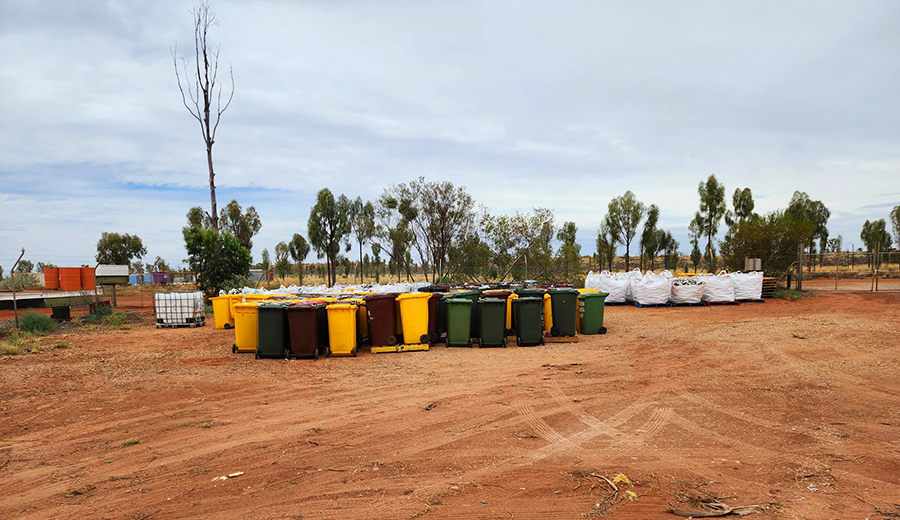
{"points": [[553, 104]]}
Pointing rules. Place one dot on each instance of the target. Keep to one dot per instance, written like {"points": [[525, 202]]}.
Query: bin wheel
{"points": [[554, 331], [602, 330], [328, 352], [227, 326], [287, 354], [518, 341], [234, 349], [542, 341], [354, 351], [391, 341], [503, 343], [433, 338], [423, 338], [316, 354], [257, 354]]}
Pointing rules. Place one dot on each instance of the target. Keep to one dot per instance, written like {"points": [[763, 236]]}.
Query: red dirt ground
{"points": [[794, 406]]}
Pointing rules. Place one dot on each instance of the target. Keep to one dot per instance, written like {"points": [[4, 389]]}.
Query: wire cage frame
{"points": [[180, 309]]}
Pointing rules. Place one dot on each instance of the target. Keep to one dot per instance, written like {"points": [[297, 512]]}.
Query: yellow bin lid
{"points": [[409, 296], [343, 306]]}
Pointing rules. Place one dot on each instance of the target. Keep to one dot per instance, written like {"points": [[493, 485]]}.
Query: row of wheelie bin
{"points": [[337, 326]]}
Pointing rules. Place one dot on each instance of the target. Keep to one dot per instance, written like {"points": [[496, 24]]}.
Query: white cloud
{"points": [[525, 105]]}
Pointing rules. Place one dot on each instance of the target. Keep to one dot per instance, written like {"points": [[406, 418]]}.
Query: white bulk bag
{"points": [[652, 289], [686, 293], [718, 288], [591, 280], [634, 277], [747, 286], [615, 286]]}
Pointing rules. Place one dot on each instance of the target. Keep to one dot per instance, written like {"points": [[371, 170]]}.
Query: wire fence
{"points": [[851, 271]]}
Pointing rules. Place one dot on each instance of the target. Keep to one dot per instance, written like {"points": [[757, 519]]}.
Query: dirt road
{"points": [[794, 406]]}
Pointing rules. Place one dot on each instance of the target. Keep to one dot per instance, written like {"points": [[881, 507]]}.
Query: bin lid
{"points": [[273, 305], [527, 299], [382, 296], [246, 305], [409, 296], [530, 292], [497, 293], [305, 305], [458, 301], [592, 295], [466, 293], [563, 290], [343, 306], [491, 301]]}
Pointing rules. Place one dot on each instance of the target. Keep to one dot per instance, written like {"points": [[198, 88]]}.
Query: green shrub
{"points": [[114, 320], [37, 323], [9, 350], [98, 315], [20, 281]]}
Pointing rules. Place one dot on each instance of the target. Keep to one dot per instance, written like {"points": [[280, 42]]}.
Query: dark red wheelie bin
{"points": [[308, 329], [382, 312]]}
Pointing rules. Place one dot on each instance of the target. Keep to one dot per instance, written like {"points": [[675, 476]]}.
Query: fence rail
{"points": [[851, 271]]}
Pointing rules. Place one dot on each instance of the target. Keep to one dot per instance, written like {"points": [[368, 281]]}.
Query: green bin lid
{"points": [[458, 301], [593, 295], [273, 305], [492, 301], [527, 299], [563, 290]]}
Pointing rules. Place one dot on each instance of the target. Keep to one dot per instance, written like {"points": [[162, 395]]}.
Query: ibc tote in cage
{"points": [[180, 309]]}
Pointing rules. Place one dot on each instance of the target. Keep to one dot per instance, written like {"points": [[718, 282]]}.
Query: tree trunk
{"points": [[214, 216]]}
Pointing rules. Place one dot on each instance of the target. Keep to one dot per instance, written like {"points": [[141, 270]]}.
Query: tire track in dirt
{"points": [[852, 381], [571, 444], [689, 425]]}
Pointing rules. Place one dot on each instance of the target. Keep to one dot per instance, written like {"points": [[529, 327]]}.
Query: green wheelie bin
{"points": [[564, 303], [529, 293], [528, 315], [492, 322], [274, 335], [459, 322], [590, 312], [473, 296]]}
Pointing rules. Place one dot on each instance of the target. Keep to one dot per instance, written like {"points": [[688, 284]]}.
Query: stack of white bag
{"points": [[718, 288], [687, 290], [652, 289], [634, 277], [747, 286], [616, 285]]}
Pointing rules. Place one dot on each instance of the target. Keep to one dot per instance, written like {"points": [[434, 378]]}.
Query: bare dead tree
{"points": [[204, 91]]}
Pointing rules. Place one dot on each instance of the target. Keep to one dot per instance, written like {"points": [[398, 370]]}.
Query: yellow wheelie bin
{"points": [[246, 327], [342, 333], [548, 314], [362, 317], [222, 312], [414, 316]]}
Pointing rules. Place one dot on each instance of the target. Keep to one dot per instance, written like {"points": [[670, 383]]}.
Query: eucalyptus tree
{"points": [[623, 215]]}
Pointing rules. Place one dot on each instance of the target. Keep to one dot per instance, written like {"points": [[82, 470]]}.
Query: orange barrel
{"points": [[70, 278], [51, 277], [88, 282]]}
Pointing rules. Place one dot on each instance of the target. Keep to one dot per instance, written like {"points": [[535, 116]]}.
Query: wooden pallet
{"points": [[723, 303], [761, 300], [180, 325], [401, 348], [560, 339], [642, 305], [769, 286], [614, 304], [698, 304]]}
